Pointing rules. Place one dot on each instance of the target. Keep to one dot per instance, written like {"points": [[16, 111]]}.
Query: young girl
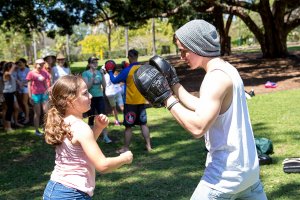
{"points": [[9, 90], [77, 151], [38, 84], [23, 97], [113, 93]]}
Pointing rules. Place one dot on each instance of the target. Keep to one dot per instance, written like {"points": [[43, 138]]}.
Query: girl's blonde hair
{"points": [[64, 90]]}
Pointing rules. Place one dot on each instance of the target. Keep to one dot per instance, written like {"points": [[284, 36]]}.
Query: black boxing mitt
{"points": [[152, 85], [165, 68]]}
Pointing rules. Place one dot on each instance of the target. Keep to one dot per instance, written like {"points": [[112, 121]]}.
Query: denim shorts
{"points": [[116, 99], [254, 192], [57, 191], [39, 98]]}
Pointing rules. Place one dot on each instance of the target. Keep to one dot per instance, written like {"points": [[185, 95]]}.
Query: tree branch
{"points": [[290, 25], [175, 10], [242, 4]]}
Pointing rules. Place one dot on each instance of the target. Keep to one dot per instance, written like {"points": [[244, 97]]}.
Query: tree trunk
{"points": [[275, 41], [223, 31], [126, 41], [109, 37], [153, 37], [68, 47]]}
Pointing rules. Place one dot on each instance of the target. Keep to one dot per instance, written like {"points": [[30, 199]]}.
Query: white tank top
{"points": [[232, 162]]}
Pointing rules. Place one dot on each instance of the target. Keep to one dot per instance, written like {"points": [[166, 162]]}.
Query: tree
{"points": [[278, 17], [179, 12], [93, 44], [278, 20]]}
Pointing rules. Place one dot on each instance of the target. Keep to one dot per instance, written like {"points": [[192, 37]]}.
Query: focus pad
{"points": [[152, 85]]}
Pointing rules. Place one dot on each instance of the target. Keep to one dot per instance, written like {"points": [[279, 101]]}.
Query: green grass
{"points": [[172, 170]]}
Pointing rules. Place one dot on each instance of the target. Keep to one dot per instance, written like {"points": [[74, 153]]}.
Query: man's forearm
{"points": [[188, 100]]}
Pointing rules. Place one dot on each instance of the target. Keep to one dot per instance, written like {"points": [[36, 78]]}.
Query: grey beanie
{"points": [[200, 37]]}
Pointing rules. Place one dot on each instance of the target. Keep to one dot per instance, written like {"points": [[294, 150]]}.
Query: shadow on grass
{"points": [[286, 191], [171, 171], [26, 162], [254, 70]]}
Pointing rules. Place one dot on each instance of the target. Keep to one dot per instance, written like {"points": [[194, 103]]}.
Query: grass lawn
{"points": [[172, 170]]}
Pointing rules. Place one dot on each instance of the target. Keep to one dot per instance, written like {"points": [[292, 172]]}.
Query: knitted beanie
{"points": [[200, 37]]}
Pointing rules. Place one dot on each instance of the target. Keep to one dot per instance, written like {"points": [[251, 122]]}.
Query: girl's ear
{"points": [[70, 103]]}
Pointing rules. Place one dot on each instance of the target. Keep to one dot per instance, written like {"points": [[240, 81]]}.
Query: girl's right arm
{"points": [[85, 137], [7, 74]]}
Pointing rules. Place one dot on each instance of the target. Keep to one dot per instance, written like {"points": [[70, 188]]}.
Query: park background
{"points": [[262, 43]]}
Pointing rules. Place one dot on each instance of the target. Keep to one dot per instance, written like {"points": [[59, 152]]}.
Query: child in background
{"points": [[113, 93], [77, 151], [38, 84], [9, 90], [23, 97]]}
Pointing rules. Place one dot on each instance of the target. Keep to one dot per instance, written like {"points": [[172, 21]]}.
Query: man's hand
{"points": [[152, 85]]}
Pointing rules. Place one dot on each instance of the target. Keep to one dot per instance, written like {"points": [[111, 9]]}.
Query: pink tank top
{"points": [[73, 168]]}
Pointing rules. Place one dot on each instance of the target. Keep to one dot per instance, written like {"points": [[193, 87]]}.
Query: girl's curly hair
{"points": [[64, 90]]}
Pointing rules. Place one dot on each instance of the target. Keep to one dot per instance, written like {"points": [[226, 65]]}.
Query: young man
{"points": [[134, 107], [220, 113]]}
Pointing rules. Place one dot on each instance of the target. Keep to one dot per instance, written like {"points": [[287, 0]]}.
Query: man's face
{"points": [[188, 56]]}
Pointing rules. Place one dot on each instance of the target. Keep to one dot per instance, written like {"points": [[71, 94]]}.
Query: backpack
{"points": [[264, 147]]}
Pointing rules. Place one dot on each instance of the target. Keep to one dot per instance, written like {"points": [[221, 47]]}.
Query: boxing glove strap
{"points": [[172, 104]]}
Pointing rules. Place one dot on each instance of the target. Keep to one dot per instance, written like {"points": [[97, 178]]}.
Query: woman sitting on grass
{"points": [[77, 151]]}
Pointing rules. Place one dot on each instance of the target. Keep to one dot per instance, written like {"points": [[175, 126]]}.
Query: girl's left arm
{"points": [[103, 82]]}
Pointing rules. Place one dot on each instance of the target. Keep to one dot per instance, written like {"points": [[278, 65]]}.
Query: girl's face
{"points": [[39, 66], [82, 103]]}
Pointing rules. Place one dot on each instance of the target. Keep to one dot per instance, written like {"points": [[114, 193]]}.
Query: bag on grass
{"points": [[264, 147], [291, 165]]}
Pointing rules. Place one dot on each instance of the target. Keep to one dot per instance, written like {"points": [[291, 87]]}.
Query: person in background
{"points": [[2, 100], [77, 151], [50, 59], [48, 70], [9, 90], [135, 103], [124, 64], [61, 68], [95, 82], [38, 84], [23, 97], [113, 93]]}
